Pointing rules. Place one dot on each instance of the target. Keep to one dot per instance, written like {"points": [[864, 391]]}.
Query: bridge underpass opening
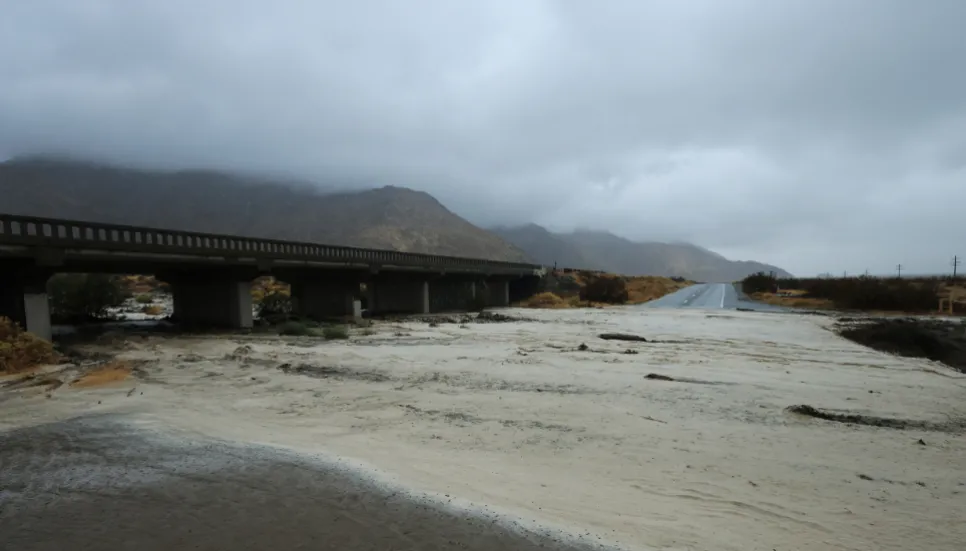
{"points": [[210, 274]]}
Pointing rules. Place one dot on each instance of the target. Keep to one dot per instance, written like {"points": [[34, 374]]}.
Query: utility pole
{"points": [[956, 263], [899, 271]]}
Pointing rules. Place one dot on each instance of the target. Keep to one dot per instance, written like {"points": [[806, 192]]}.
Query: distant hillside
{"points": [[387, 218], [608, 252], [545, 247]]}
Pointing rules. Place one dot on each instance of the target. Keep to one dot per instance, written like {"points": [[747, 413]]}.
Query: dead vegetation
{"points": [[876, 421], [21, 351], [907, 295], [621, 337], [152, 310], [793, 299]]}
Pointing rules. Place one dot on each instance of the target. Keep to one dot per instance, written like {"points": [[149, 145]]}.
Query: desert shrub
{"points": [[602, 288], [83, 297], [561, 284], [759, 283], [871, 293], [544, 300], [333, 332], [20, 350], [868, 293], [275, 305], [144, 298], [152, 310], [296, 328]]}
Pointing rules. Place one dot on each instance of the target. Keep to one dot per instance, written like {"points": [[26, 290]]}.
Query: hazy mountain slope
{"points": [[545, 247], [387, 218], [608, 252]]}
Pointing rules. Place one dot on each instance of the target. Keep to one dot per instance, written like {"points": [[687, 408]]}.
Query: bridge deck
{"points": [[25, 236]]}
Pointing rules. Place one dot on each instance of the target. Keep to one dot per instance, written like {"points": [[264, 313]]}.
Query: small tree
{"points": [[83, 297], [759, 283], [275, 306], [604, 288], [20, 350]]}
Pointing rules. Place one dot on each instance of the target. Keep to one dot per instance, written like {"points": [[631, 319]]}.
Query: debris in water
{"points": [[621, 337]]}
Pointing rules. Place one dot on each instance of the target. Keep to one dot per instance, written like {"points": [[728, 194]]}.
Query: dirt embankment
{"points": [[937, 340]]}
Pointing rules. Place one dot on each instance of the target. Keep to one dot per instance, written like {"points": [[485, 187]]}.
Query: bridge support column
{"points": [[23, 298], [525, 287], [213, 302], [402, 295], [324, 298], [451, 293], [498, 292]]}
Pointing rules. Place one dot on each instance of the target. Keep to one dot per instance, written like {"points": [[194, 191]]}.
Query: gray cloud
{"points": [[814, 134]]}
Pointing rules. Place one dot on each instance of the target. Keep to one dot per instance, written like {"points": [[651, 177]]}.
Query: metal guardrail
{"points": [[67, 234]]}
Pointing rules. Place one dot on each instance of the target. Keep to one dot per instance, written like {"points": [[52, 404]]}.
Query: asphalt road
{"points": [[709, 296]]}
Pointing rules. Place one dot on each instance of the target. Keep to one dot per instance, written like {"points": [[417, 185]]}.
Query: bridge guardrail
{"points": [[35, 231]]}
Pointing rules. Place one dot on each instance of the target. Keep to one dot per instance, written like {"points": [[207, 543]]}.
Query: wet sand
{"points": [[99, 483], [685, 441]]}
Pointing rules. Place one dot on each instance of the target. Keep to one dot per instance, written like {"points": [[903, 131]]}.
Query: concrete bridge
{"points": [[210, 275]]}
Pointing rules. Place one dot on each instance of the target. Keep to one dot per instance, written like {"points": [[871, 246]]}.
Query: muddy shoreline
{"points": [[101, 483]]}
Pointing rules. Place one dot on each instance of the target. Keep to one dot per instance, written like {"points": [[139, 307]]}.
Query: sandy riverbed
{"points": [[513, 420]]}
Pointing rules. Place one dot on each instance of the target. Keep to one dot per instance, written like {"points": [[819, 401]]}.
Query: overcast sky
{"points": [[815, 135]]}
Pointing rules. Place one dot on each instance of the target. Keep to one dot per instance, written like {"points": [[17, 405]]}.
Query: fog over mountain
{"points": [[815, 135]]}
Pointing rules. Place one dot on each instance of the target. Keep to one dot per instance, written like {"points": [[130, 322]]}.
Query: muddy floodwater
{"points": [[515, 435]]}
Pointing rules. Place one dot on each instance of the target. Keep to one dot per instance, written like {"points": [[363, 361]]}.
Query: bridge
{"points": [[210, 275]]}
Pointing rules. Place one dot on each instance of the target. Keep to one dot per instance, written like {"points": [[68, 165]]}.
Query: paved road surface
{"points": [[713, 296]]}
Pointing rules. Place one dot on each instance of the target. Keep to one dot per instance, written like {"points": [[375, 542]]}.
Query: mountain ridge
{"points": [[388, 217], [601, 250]]}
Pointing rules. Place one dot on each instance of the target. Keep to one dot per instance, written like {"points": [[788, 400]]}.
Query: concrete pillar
{"points": [[320, 299], [37, 314], [23, 299], [213, 302], [498, 292], [399, 295], [424, 298], [451, 293]]}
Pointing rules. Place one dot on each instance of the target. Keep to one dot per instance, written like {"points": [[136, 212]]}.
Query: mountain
{"points": [[386, 218], [545, 247], [205, 201], [610, 253]]}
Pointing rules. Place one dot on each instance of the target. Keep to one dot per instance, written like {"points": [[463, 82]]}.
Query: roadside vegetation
{"points": [[583, 289], [913, 295], [20, 350], [81, 298]]}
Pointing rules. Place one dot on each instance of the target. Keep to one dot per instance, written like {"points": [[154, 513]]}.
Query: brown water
{"points": [[98, 483]]}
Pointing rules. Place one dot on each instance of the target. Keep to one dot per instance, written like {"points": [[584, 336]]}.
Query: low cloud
{"points": [[818, 135]]}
